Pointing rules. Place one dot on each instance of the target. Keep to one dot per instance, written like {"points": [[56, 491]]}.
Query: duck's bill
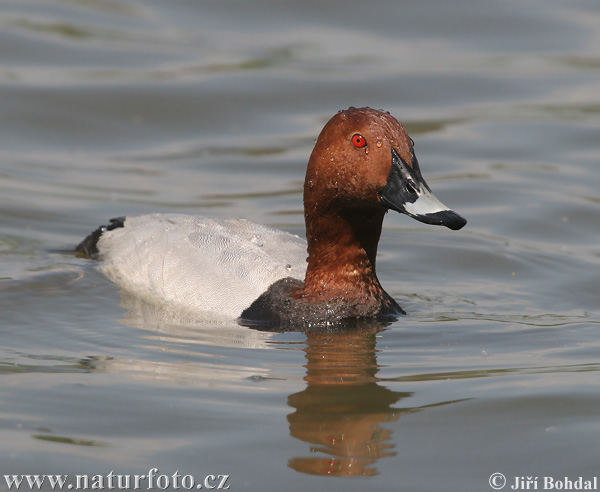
{"points": [[428, 209], [407, 192]]}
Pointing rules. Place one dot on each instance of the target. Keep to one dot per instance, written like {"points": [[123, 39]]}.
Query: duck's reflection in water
{"points": [[343, 410]]}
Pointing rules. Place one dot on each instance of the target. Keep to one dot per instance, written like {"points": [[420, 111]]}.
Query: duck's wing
{"points": [[199, 263]]}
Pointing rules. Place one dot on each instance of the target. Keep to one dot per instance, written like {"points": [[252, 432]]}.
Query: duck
{"points": [[363, 165]]}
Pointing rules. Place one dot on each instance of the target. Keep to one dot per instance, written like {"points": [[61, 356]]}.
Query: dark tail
{"points": [[89, 246]]}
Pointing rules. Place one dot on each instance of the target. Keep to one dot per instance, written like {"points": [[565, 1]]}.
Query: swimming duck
{"points": [[363, 164]]}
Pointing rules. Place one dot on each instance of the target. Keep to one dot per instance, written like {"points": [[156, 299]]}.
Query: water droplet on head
{"points": [[379, 144], [257, 240]]}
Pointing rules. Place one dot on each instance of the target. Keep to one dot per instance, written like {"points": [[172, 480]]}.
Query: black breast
{"points": [[278, 309]]}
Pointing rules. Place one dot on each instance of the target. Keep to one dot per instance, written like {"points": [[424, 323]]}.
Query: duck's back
{"points": [[199, 263]]}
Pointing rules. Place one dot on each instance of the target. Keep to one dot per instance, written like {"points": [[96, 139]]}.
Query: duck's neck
{"points": [[342, 248]]}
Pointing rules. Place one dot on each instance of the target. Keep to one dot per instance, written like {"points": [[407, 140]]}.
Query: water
{"points": [[122, 107]]}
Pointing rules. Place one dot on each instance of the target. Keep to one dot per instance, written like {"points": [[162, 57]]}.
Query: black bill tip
{"points": [[447, 218]]}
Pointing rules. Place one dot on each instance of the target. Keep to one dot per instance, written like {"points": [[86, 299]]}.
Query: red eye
{"points": [[359, 141]]}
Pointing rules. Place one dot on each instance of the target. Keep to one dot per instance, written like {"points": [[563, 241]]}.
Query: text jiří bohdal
{"points": [[552, 483]]}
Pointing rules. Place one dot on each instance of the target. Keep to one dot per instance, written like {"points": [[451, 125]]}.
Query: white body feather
{"points": [[198, 263]]}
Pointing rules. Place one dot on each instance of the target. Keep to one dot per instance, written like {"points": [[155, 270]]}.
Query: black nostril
{"points": [[410, 187]]}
